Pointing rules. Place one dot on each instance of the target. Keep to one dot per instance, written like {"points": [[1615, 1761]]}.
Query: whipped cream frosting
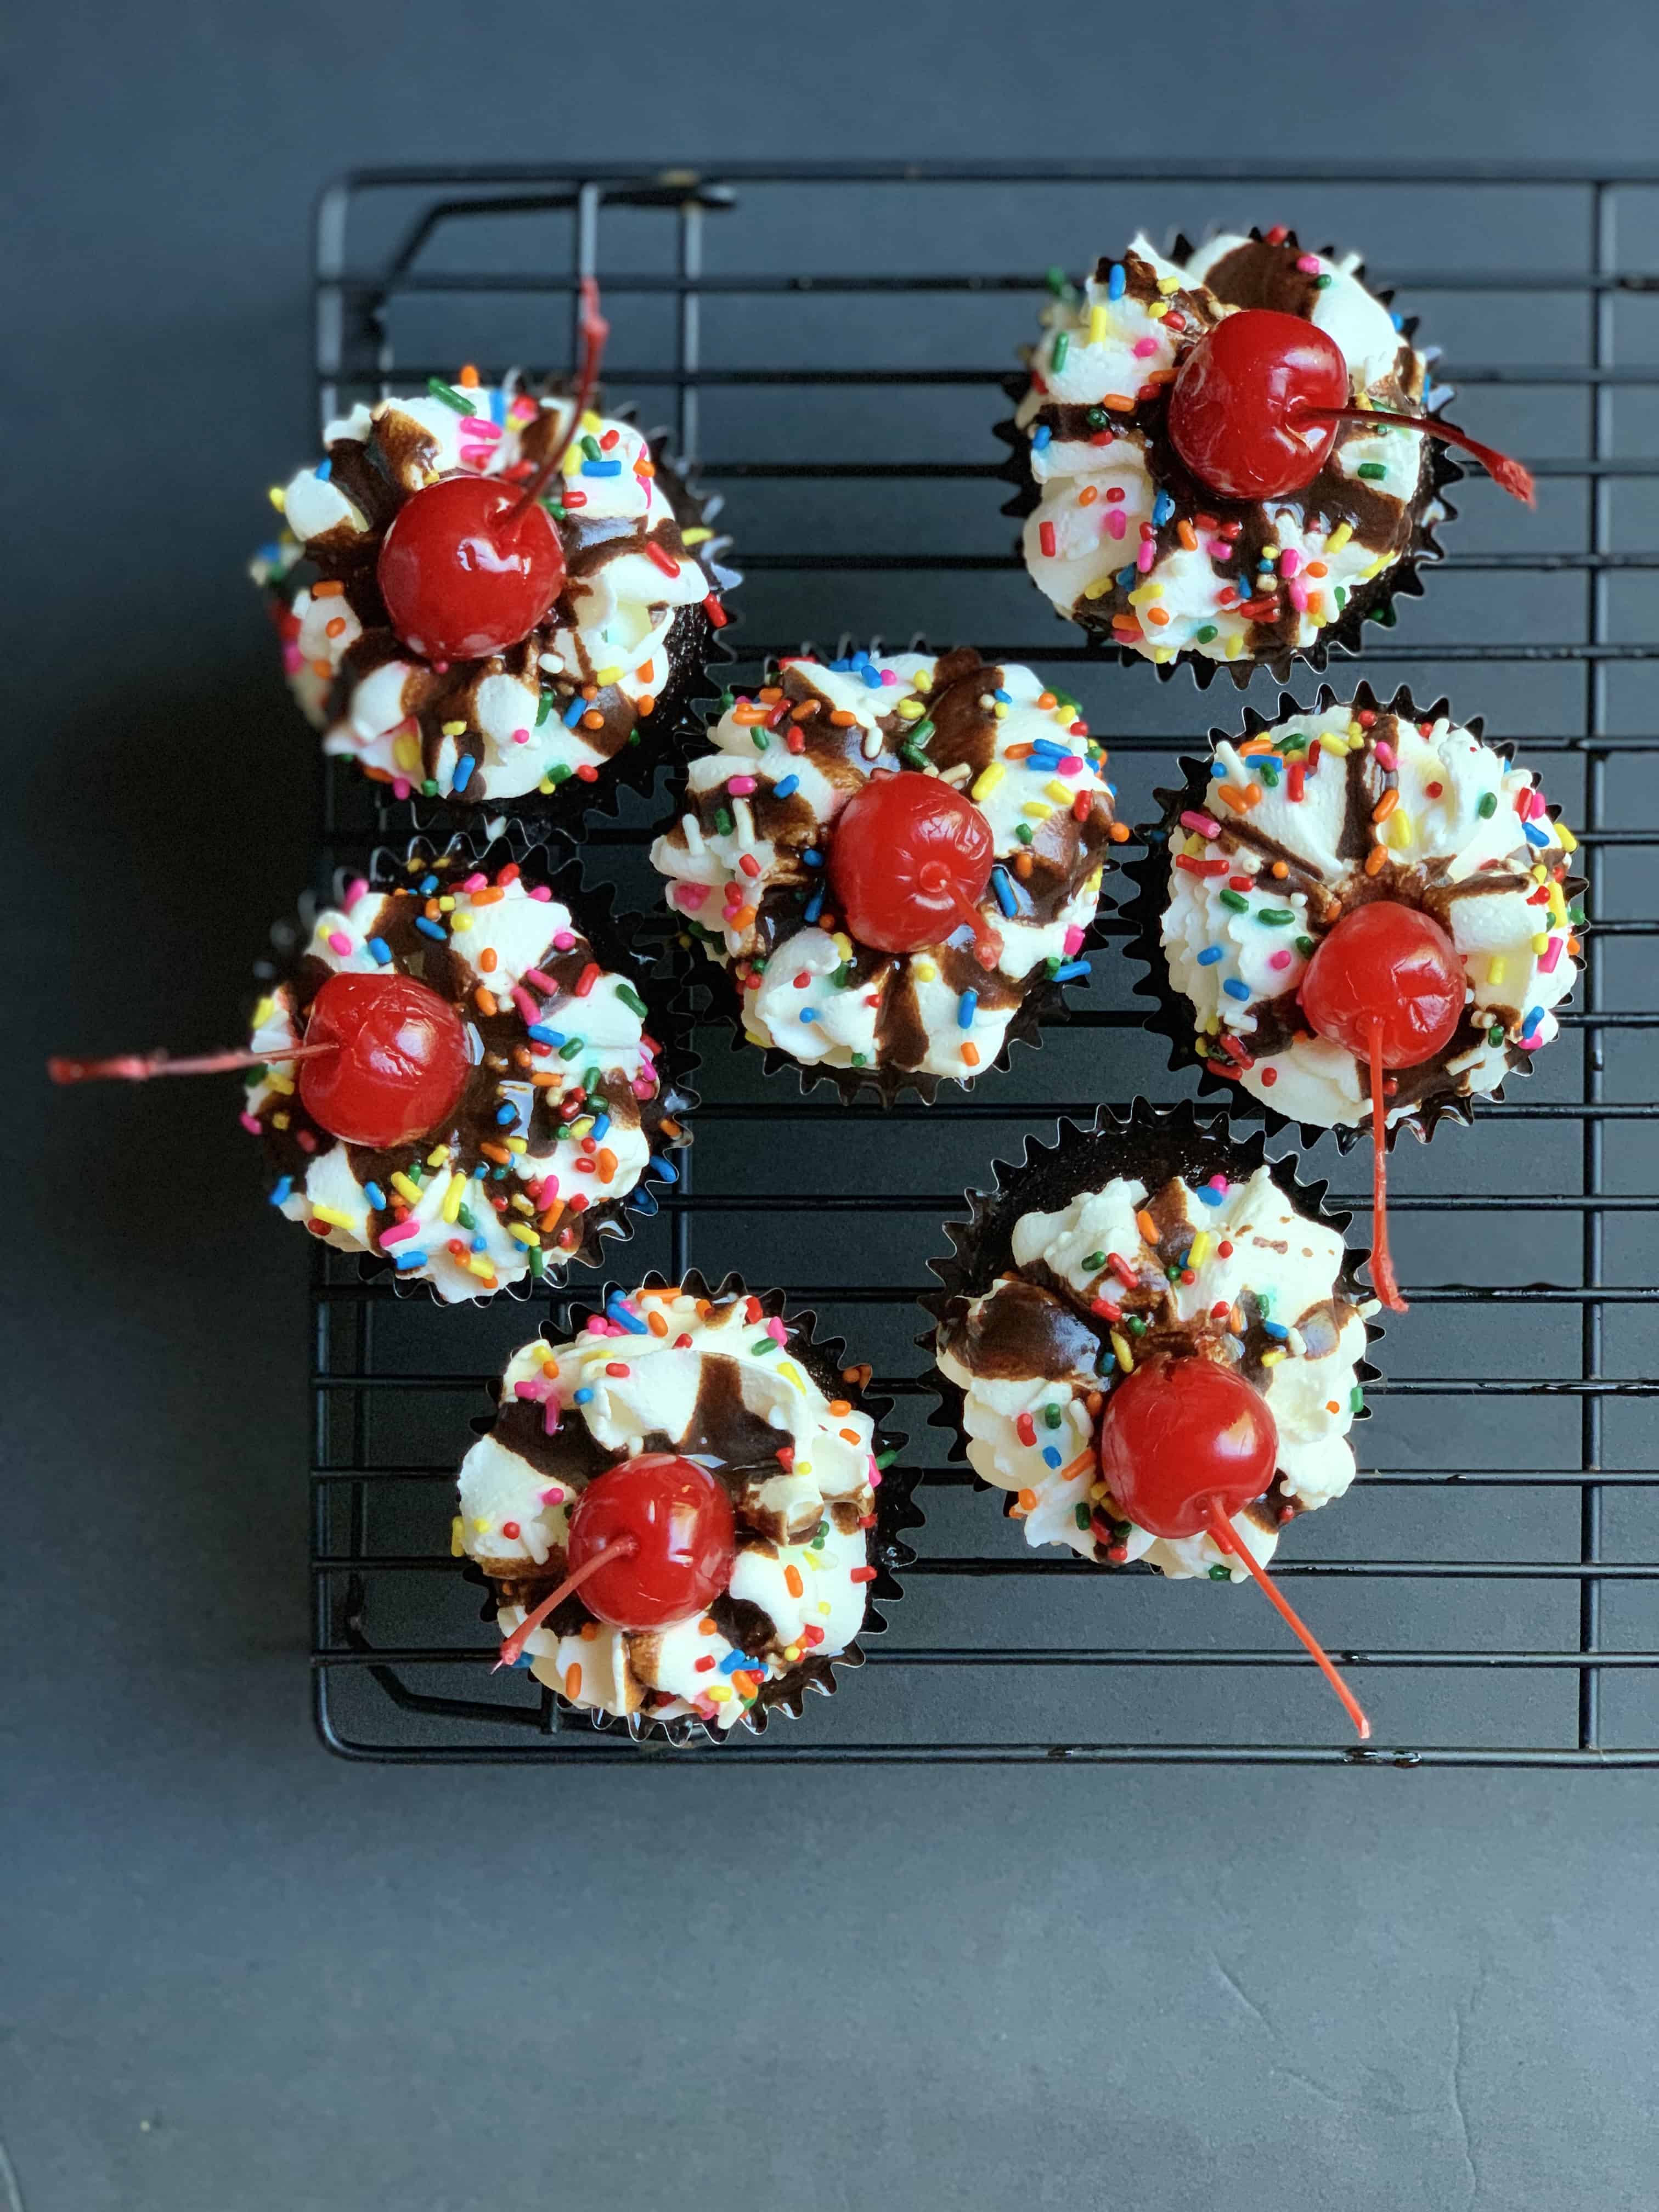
{"points": [[1230, 1271], [1124, 541], [716, 1381], [1286, 839], [564, 1112], [746, 862], [565, 699]]}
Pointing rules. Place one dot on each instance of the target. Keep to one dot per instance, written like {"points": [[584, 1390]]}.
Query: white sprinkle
{"points": [[743, 815], [693, 834]]}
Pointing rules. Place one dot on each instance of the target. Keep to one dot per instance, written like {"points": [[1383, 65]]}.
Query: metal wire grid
{"points": [[400, 1656]]}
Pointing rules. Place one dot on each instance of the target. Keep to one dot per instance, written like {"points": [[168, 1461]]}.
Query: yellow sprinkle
{"points": [[720, 1694], [456, 1545], [277, 1081], [333, 1215], [1557, 905], [1125, 1359], [912, 709], [279, 1121], [695, 536], [1199, 1251], [804, 1467], [1098, 588], [791, 1652], [404, 1188], [988, 780], [606, 675], [1357, 732], [1036, 811], [925, 970], [264, 1010], [1495, 970], [438, 1157], [1156, 311], [406, 753], [484, 1269], [1099, 323], [581, 1125], [517, 1144], [452, 729], [522, 1233], [480, 1524], [922, 680], [520, 1204], [453, 1197], [1166, 652], [278, 498], [1271, 1358], [1399, 829], [1234, 644], [999, 711], [545, 786], [824, 1610], [1144, 594], [446, 903], [844, 944], [591, 421], [1569, 842], [1540, 945], [790, 1373], [1057, 791], [1168, 284], [1339, 538]]}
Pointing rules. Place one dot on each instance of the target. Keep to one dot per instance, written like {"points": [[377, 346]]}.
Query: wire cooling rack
{"points": [[828, 341]]}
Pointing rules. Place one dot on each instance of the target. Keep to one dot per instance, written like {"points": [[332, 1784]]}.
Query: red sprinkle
{"points": [[666, 561], [589, 976], [1046, 538]]}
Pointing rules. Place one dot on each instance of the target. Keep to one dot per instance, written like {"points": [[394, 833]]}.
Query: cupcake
{"points": [[1149, 1243], [897, 858], [1207, 473], [494, 1102], [704, 1478], [445, 685]]}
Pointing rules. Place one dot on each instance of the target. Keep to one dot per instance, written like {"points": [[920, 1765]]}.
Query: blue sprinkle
{"points": [[1206, 958], [1041, 438], [1399, 321], [1534, 1018], [575, 711], [1276, 1329], [507, 1114], [272, 553], [283, 1189], [788, 788], [966, 1007], [428, 928], [840, 668], [871, 677], [641, 1201], [859, 659], [1210, 1197], [1048, 749], [619, 1312], [808, 1014], [814, 906], [600, 1128], [464, 769], [663, 1167], [601, 468], [1114, 282], [1162, 508], [1536, 835], [429, 884], [375, 1196], [1126, 577], [481, 1171], [1050, 1456], [732, 1661], [403, 1257], [1005, 891], [325, 470], [381, 951], [1235, 989], [812, 858], [1072, 971], [477, 1245], [583, 1397], [1007, 698], [542, 1034], [498, 407]]}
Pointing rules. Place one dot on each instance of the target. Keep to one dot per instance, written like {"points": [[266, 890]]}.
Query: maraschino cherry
{"points": [[471, 563], [908, 864], [385, 1061], [652, 1541], [1388, 985], [1256, 404], [1185, 1443]]}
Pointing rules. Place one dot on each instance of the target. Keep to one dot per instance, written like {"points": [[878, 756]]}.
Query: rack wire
{"points": [[1493, 1582]]}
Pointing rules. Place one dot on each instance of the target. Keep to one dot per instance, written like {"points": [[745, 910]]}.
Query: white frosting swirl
{"points": [[1238, 938], [1273, 1272], [645, 1372]]}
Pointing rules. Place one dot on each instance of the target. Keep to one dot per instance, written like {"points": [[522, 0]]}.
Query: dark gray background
{"points": [[239, 1975]]}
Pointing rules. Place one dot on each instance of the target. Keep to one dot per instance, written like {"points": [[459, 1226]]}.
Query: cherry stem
{"points": [[594, 332], [1232, 1543], [1509, 474], [1382, 1275], [139, 1066], [623, 1548], [936, 880]]}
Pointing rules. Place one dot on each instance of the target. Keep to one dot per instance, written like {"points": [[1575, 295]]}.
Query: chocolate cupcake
{"points": [[1221, 532], [1149, 1239], [897, 860], [540, 1142], [782, 1530], [608, 664], [1292, 827]]}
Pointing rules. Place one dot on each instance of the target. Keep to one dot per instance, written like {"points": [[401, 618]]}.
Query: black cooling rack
{"points": [[828, 342]]}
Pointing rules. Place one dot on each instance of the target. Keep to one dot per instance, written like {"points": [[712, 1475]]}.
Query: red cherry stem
{"points": [[1231, 1542], [937, 881], [1510, 475], [1382, 1275], [594, 332], [139, 1066], [623, 1548]]}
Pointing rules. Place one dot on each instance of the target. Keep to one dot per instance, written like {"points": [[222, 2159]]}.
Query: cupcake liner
{"points": [[886, 1549], [708, 994], [550, 859], [1152, 1143], [1143, 914], [1371, 603]]}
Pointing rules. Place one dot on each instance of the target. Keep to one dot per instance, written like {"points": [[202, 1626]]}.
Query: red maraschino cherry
{"points": [[385, 1061], [1185, 1443], [471, 563], [908, 864], [1255, 405], [1388, 986], [652, 1541]]}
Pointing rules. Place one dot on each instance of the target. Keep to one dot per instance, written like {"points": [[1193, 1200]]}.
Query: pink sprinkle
{"points": [[1200, 824], [1308, 263], [1298, 595], [399, 1234], [535, 1392], [1116, 521], [525, 1004], [550, 1416], [890, 676], [1073, 940], [643, 1087], [354, 889], [1551, 954], [1289, 562], [740, 786], [1219, 549], [542, 983], [1145, 555], [476, 882], [481, 426], [1070, 766], [1386, 758], [774, 1330], [690, 896], [339, 942], [1143, 346], [561, 943], [521, 737], [1538, 809], [251, 1123], [400, 786], [541, 894], [476, 457], [522, 410], [293, 658], [1279, 959], [553, 1495]]}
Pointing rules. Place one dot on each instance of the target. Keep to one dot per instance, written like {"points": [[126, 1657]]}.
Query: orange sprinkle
{"points": [[656, 1324], [647, 702], [1374, 860], [770, 693], [499, 1153], [329, 590], [334, 627], [1028, 1501], [1331, 1405], [549, 1220], [1280, 869], [1120, 401], [573, 1679], [489, 896], [743, 916], [1385, 806], [1317, 605], [488, 959], [468, 377], [1146, 1225], [806, 709], [1119, 833], [840, 1405], [1315, 569], [1018, 752], [1158, 617], [1088, 495], [550, 1370], [589, 1631], [1046, 699], [593, 719], [644, 468], [607, 1163], [842, 718], [546, 1082], [970, 1055], [793, 1582], [485, 1000], [1239, 801], [322, 668], [1083, 1460], [707, 1627], [743, 713], [1188, 535], [1022, 864]]}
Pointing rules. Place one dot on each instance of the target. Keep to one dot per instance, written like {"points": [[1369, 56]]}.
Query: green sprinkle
{"points": [[545, 708], [1276, 916], [922, 731], [1062, 347], [1205, 633], [448, 394], [1268, 773], [761, 741], [537, 1265], [1341, 597], [1356, 1400], [571, 1047], [591, 1078], [723, 821], [1221, 1574], [562, 774], [1576, 916], [631, 999], [1488, 805], [1495, 1033], [844, 977], [1052, 1416], [1387, 614], [557, 508], [1022, 831], [589, 446], [917, 759], [860, 1060], [465, 1217], [1236, 900], [1082, 1515], [728, 700], [885, 1459], [1321, 283], [429, 789], [1056, 280], [1097, 420], [1304, 945], [1134, 1324], [765, 1344], [1372, 470], [1095, 1262], [822, 1529]]}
